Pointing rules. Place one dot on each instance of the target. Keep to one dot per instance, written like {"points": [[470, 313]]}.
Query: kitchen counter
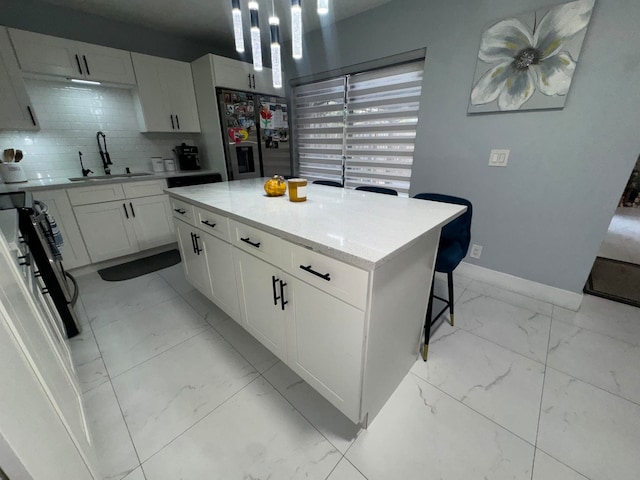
{"points": [[360, 228], [63, 182]]}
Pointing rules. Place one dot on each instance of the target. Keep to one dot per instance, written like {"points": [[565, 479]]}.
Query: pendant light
{"points": [[237, 25], [256, 47], [276, 62], [296, 28], [323, 7]]}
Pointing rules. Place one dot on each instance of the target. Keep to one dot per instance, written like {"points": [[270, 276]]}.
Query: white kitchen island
{"points": [[336, 286]]}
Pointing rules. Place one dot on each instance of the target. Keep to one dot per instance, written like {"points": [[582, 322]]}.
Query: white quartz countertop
{"points": [[51, 183], [361, 228]]}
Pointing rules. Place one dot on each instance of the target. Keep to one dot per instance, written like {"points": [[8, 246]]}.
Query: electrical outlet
{"points": [[476, 251], [498, 158]]}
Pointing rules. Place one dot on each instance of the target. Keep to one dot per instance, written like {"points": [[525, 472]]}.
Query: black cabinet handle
{"points": [[180, 211], [274, 280], [254, 81], [45, 291], [249, 80], [33, 120], [27, 260], [172, 124], [324, 276], [196, 237], [177, 122], [86, 65], [132, 210], [247, 240], [78, 62], [283, 302], [124, 205], [206, 222], [193, 242]]}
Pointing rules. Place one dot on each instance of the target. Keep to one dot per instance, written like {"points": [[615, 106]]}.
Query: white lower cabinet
{"points": [[193, 259], [107, 230], [264, 298], [152, 221], [224, 292]]}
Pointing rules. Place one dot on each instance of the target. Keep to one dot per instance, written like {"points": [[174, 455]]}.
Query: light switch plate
{"points": [[476, 251], [498, 158]]}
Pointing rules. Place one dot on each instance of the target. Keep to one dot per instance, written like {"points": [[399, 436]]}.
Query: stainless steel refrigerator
{"points": [[255, 129]]}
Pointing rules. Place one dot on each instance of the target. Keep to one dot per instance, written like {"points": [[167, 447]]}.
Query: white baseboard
{"points": [[538, 291]]}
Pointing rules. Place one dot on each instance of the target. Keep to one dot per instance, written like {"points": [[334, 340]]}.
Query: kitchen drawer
{"points": [[183, 210], [213, 223], [145, 188], [96, 193], [257, 242], [337, 278]]}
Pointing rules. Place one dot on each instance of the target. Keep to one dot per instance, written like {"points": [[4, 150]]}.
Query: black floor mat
{"points": [[139, 267], [615, 280]]}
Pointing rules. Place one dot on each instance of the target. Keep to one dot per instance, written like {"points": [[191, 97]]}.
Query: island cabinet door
{"points": [[192, 251], [224, 291], [325, 344], [263, 299]]}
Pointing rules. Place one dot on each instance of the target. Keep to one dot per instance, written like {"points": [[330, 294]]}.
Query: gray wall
{"points": [[544, 216], [41, 17]]}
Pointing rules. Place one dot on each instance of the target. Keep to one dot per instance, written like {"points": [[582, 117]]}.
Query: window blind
{"points": [[363, 134]]}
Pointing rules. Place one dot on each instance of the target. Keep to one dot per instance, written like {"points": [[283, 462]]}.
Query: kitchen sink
{"points": [[108, 177]]}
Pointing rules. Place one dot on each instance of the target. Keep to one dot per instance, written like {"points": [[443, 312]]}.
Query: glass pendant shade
{"points": [[256, 47], [323, 7], [237, 25], [296, 28], [276, 61]]}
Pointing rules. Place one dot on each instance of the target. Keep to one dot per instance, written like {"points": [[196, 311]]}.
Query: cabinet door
{"points": [[45, 54], [325, 338], [224, 291], [74, 252], [231, 73], [106, 64], [152, 221], [107, 229], [259, 290], [193, 261], [178, 84], [16, 111], [155, 107]]}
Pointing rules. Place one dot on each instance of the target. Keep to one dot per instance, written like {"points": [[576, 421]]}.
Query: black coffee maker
{"points": [[188, 158]]}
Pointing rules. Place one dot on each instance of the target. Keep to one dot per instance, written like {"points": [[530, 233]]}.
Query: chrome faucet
{"points": [[104, 155]]}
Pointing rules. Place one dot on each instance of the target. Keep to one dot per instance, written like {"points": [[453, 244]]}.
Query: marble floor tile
{"points": [[175, 277], [588, 429], [546, 467], [137, 474], [511, 298], [336, 428], [614, 319], [117, 300], [87, 360], [144, 334], [345, 471], [256, 434], [116, 455], [603, 361], [516, 328], [421, 429], [494, 381], [255, 353], [205, 307], [166, 395]]}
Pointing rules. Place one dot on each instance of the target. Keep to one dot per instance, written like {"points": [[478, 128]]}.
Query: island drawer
{"points": [[213, 223], [337, 278], [257, 242], [183, 210]]}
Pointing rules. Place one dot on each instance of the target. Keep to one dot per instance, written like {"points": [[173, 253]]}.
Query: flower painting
{"points": [[527, 63]]}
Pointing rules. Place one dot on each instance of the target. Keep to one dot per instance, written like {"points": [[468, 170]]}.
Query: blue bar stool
{"points": [[374, 189]]}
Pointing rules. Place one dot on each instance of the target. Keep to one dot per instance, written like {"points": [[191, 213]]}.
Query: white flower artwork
{"points": [[527, 63]]}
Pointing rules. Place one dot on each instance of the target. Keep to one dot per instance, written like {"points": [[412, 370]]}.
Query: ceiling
{"points": [[210, 20]]}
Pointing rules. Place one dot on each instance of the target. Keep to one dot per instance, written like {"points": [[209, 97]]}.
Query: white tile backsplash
{"points": [[70, 116]]}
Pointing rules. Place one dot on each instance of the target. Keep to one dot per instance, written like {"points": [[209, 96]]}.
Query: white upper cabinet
{"points": [[166, 94], [47, 55], [239, 75], [16, 111]]}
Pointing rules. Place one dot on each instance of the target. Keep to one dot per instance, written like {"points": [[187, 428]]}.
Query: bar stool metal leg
{"points": [[427, 324], [450, 283]]}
